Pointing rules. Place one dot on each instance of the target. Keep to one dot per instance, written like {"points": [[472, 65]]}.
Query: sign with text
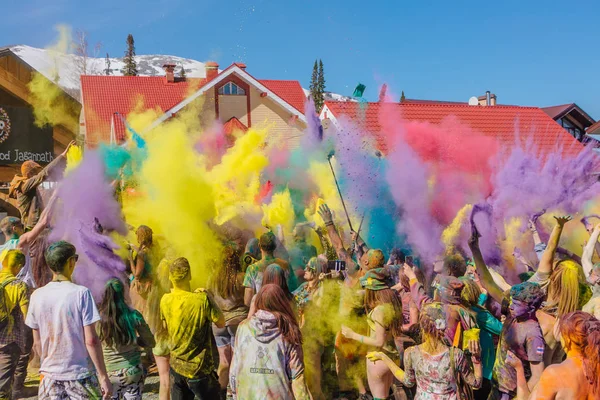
{"points": [[21, 139]]}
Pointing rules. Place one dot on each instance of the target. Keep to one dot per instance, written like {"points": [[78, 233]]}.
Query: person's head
{"points": [[375, 259], [405, 282], [273, 299], [13, 261], [117, 320], [252, 248], [275, 275], [180, 272], [315, 267], [377, 292], [470, 293], [449, 289], [432, 320], [563, 287], [580, 333], [225, 280], [454, 265], [267, 242], [30, 168], [11, 227], [144, 235], [300, 233], [61, 258], [438, 266], [397, 257], [525, 299]]}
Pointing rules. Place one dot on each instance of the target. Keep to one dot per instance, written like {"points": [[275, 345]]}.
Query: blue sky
{"points": [[527, 52]]}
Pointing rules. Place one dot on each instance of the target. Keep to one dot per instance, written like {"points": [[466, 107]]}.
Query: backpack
{"points": [[4, 309]]}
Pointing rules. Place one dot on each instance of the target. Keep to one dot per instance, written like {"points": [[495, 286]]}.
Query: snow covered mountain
{"points": [[66, 68]]}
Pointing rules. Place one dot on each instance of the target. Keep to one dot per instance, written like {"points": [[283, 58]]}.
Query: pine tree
{"points": [[107, 70], [130, 68], [182, 74], [314, 82], [402, 97], [320, 88]]}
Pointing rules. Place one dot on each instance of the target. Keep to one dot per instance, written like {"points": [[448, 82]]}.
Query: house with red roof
{"points": [[501, 122], [232, 96], [571, 117]]}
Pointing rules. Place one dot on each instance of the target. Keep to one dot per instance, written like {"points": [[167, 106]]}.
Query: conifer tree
{"points": [[402, 97], [320, 88], [314, 82], [130, 68], [107, 70], [182, 74]]}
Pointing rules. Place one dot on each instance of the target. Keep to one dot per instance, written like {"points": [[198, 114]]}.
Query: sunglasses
{"points": [[76, 257]]}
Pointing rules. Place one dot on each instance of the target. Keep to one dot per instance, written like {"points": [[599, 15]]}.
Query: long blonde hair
{"points": [[563, 288]]}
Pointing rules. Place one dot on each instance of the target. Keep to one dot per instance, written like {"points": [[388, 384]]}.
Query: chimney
{"points": [[170, 72], [382, 93], [488, 99], [212, 69], [241, 66]]}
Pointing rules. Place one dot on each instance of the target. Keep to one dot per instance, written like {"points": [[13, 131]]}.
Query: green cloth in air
{"points": [[360, 89]]}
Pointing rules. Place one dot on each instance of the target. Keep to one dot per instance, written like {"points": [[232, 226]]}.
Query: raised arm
{"points": [[588, 251], [547, 261], [34, 182], [485, 276], [417, 291], [334, 235]]}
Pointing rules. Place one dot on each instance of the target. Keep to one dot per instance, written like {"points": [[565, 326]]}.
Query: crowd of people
{"points": [[278, 320]]}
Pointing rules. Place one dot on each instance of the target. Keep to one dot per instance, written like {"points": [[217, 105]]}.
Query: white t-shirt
{"points": [[59, 311]]}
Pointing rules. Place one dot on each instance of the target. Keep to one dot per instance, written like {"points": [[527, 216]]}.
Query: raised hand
{"points": [[475, 235], [409, 272], [561, 221], [325, 214]]}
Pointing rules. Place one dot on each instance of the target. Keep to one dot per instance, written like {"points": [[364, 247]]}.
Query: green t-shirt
{"points": [[188, 317]]}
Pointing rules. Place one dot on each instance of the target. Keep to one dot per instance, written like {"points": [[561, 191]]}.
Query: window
{"points": [[231, 88]]}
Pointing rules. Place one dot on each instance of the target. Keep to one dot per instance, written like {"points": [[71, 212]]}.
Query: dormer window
{"points": [[231, 88]]}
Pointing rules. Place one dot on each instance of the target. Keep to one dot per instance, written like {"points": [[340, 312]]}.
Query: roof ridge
{"points": [[445, 105]]}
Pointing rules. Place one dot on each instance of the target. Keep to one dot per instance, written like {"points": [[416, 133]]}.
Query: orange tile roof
{"points": [[233, 125], [290, 91], [102, 96], [500, 122]]}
